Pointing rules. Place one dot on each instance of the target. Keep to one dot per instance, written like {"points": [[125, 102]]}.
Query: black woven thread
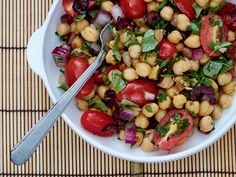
{"points": [[21, 110], [12, 48]]}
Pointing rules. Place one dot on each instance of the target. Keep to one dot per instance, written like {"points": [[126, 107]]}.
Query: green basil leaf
{"points": [[197, 9], [212, 69], [161, 97], [227, 65], [117, 83], [80, 17], [195, 27], [96, 102], [163, 4], [149, 42], [86, 45], [115, 49], [128, 103]]}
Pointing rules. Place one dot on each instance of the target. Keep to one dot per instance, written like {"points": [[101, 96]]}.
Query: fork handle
{"points": [[29, 143]]}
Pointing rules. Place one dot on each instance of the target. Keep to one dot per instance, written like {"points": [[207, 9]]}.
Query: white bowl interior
{"points": [[112, 145]]}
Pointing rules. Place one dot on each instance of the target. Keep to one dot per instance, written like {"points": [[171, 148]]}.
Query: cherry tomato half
{"points": [[98, 123], [185, 6], [167, 49], [210, 34], [73, 70], [168, 143], [133, 9], [68, 7], [136, 91]]}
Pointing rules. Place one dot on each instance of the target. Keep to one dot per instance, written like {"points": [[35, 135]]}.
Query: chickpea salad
{"points": [[169, 68]]}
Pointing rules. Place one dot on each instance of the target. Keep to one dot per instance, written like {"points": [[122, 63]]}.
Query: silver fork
{"points": [[29, 143]]}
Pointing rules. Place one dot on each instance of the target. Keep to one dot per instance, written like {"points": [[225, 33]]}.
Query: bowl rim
{"points": [[164, 158]]}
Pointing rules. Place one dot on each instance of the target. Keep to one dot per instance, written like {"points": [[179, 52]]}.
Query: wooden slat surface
{"points": [[24, 99]]}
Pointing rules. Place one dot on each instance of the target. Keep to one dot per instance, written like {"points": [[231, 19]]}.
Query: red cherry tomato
{"points": [[185, 6], [136, 91], [68, 7], [168, 143], [226, 9], [98, 123], [232, 51], [73, 70], [167, 49], [208, 34], [99, 76], [133, 9]]}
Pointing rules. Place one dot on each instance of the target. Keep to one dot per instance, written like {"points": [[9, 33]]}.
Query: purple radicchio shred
{"points": [[123, 23], [197, 54], [67, 19], [126, 115], [203, 91], [151, 18], [60, 55], [130, 133], [80, 6], [112, 102], [164, 70]]}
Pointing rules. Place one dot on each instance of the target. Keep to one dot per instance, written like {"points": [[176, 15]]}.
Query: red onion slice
{"points": [[149, 96], [130, 133], [60, 55], [101, 19], [116, 12], [126, 115], [197, 54]]}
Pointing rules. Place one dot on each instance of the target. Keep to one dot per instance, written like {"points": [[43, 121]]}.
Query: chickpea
{"points": [[229, 88], [204, 59], [154, 73], [166, 83], [202, 3], [113, 71], [215, 3], [216, 112], [167, 13], [193, 41], [114, 31], [206, 124], [122, 135], [150, 109], [134, 61], [182, 22], [107, 5], [139, 39], [80, 25], [139, 21], [82, 104], [181, 66], [135, 110], [224, 79], [73, 27], [91, 60], [63, 29], [150, 58], [124, 37], [194, 65], [165, 104], [158, 34], [77, 42], [175, 37], [135, 51], [160, 114], [187, 52], [139, 136], [205, 108], [153, 5], [110, 59], [179, 101], [90, 34], [172, 91], [101, 91], [180, 47], [143, 29], [148, 0], [147, 144], [130, 74], [143, 69], [126, 58], [174, 19], [192, 107], [214, 85], [225, 101], [231, 36], [141, 121]]}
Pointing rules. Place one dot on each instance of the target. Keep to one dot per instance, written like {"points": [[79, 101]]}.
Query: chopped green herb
{"points": [[217, 8], [163, 63], [161, 97], [111, 26], [106, 48], [117, 83], [64, 87], [106, 80], [149, 42], [149, 109], [195, 27], [182, 123], [103, 68], [115, 49], [133, 40], [57, 59], [128, 103], [74, 54], [162, 129], [219, 46], [86, 45], [202, 80], [216, 21], [160, 24], [96, 102], [93, 13], [80, 17], [138, 129], [64, 38], [227, 65], [197, 9], [163, 4]]}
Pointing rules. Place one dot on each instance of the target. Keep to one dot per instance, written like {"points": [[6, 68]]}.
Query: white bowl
{"points": [[40, 45]]}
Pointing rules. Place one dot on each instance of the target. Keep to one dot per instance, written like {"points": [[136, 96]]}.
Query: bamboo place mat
{"points": [[24, 100]]}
